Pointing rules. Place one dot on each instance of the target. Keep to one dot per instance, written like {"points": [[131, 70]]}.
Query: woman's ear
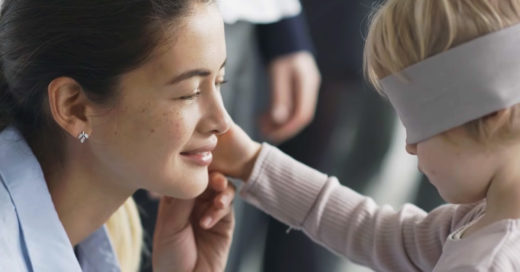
{"points": [[68, 105]]}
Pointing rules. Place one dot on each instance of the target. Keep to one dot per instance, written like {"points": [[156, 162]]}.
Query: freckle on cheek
{"points": [[152, 130]]}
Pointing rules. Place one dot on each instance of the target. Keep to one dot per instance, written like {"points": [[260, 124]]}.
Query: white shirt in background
{"points": [[258, 11]]}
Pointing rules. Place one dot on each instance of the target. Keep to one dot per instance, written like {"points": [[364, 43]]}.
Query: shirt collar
{"points": [[47, 243], [96, 253]]}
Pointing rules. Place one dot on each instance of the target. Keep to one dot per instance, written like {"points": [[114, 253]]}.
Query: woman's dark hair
{"points": [[91, 41]]}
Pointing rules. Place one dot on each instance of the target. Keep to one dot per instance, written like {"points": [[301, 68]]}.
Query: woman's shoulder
{"points": [[14, 151], [7, 207], [11, 239], [11, 248], [20, 171], [31, 234]]}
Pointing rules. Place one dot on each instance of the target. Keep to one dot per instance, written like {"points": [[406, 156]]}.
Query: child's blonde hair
{"points": [[405, 32], [126, 233]]}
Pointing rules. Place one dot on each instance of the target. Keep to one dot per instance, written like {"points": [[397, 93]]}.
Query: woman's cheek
{"points": [[176, 127]]}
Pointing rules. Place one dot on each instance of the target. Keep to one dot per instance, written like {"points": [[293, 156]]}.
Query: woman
{"points": [[99, 99]]}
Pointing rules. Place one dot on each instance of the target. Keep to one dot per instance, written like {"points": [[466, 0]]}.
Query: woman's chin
{"points": [[189, 189]]}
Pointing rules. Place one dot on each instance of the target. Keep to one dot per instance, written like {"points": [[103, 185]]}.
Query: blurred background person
{"points": [[271, 92], [351, 134]]}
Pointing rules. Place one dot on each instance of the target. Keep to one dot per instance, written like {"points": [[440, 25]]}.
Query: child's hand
{"points": [[235, 154], [195, 234]]}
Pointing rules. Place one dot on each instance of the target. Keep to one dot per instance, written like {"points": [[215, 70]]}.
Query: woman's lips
{"points": [[201, 158], [200, 154]]}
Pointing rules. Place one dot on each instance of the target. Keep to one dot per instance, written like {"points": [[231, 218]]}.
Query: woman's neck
{"points": [[84, 196]]}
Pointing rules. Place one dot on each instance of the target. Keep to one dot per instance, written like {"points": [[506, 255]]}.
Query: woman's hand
{"points": [[235, 154], [195, 235]]}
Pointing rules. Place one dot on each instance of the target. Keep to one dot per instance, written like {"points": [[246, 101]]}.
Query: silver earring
{"points": [[83, 136]]}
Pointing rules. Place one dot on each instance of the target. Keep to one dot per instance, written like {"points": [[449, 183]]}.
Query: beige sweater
{"points": [[352, 225]]}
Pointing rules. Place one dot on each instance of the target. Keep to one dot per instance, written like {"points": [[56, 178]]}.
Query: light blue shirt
{"points": [[32, 237]]}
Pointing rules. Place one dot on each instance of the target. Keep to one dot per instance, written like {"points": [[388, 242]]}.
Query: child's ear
{"points": [[500, 116], [497, 120]]}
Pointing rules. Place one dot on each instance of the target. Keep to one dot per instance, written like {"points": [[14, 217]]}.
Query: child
{"points": [[450, 69]]}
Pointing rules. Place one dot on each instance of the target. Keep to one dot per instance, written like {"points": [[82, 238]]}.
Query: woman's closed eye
{"points": [[197, 91], [191, 96]]}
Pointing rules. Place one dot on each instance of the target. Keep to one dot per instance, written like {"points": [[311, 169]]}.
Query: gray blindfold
{"points": [[462, 84]]}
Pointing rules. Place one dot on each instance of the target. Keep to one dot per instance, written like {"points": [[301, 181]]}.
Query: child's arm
{"points": [[338, 218]]}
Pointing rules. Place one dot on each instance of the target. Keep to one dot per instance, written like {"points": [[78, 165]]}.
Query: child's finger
{"points": [[213, 216]]}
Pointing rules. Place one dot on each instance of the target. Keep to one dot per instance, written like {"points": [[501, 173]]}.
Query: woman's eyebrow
{"points": [[201, 72], [189, 74]]}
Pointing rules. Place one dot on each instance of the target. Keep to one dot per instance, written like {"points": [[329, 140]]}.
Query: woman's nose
{"points": [[411, 149], [219, 120]]}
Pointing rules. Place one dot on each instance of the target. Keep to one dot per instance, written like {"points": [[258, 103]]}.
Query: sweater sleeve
{"points": [[346, 222]]}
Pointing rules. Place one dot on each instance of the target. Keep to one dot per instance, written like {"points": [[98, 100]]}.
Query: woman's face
{"points": [[161, 131]]}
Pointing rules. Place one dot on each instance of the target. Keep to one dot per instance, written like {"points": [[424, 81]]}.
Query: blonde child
{"points": [[450, 68]]}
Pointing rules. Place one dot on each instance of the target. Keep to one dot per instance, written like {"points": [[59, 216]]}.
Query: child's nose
{"points": [[411, 149]]}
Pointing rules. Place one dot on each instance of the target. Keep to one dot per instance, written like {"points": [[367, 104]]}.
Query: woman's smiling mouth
{"points": [[201, 156]]}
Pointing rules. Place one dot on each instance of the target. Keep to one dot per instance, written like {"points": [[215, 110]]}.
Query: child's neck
{"points": [[503, 194]]}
